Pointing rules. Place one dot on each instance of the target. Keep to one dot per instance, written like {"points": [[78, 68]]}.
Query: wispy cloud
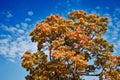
{"points": [[14, 44], [9, 14], [4, 41], [24, 25], [14, 39], [27, 19], [8, 28], [20, 31], [98, 7], [12, 48], [107, 7], [30, 13], [114, 30]]}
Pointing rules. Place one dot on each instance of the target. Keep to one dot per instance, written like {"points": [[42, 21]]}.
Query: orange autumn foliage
{"points": [[74, 47]]}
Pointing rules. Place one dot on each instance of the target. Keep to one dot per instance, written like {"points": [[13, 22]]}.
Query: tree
{"points": [[75, 48]]}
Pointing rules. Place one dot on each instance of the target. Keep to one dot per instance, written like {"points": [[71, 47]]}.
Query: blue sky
{"points": [[18, 17]]}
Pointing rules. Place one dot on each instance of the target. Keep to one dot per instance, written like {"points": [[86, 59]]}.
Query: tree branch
{"points": [[86, 74]]}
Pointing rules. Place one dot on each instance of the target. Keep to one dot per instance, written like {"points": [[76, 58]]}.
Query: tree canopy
{"points": [[75, 48]]}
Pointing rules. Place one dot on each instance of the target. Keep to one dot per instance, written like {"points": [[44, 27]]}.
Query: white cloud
{"points": [[107, 7], [17, 25], [118, 24], [19, 39], [12, 29], [4, 50], [30, 13], [11, 60], [20, 31], [117, 12], [14, 45], [3, 36], [15, 29], [117, 48], [114, 26], [110, 21], [27, 19], [8, 28], [115, 18], [117, 9], [9, 15], [11, 48], [98, 7], [112, 35], [4, 41], [24, 25]]}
